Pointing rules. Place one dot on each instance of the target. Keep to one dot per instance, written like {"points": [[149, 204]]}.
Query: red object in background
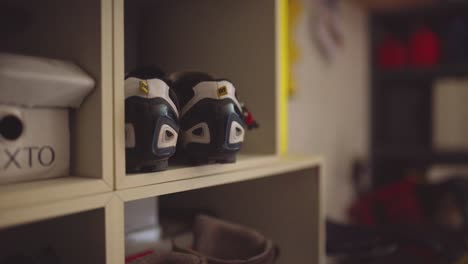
{"points": [[395, 204], [392, 53], [134, 257], [424, 48]]}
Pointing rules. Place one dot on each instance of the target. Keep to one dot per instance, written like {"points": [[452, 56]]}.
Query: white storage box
{"points": [[142, 229], [35, 94]]}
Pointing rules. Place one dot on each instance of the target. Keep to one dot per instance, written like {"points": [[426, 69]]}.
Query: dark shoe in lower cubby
{"points": [[168, 258], [221, 242], [151, 121]]}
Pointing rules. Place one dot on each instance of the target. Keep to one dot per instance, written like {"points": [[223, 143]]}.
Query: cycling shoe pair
{"points": [[192, 112]]}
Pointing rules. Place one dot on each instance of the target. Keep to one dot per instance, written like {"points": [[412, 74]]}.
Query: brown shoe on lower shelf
{"points": [[222, 242], [168, 258]]}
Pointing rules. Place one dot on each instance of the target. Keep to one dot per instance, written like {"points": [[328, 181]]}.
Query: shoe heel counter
{"points": [[151, 130]]}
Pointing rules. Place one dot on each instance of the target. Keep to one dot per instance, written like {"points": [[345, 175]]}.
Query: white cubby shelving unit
{"points": [[79, 31], [82, 216]]}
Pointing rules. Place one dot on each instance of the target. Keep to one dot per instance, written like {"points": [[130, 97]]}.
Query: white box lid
{"points": [[42, 82]]}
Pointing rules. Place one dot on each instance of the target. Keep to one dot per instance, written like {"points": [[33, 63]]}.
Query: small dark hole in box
{"points": [[11, 127]]}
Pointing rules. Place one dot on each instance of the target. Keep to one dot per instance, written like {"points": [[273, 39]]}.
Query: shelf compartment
{"points": [[227, 39], [87, 245], [450, 115], [447, 20], [86, 220], [81, 32], [402, 114], [285, 206]]}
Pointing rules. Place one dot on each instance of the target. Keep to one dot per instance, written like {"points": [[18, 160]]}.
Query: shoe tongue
{"points": [[183, 83], [223, 240], [148, 72]]}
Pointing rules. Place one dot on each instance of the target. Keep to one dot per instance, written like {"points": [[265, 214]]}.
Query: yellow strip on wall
{"points": [[294, 11], [289, 12], [284, 74]]}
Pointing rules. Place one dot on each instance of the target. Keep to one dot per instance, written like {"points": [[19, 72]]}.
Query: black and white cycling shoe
{"points": [[151, 121], [211, 118]]}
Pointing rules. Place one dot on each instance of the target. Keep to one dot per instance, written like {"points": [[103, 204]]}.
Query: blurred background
{"points": [[379, 88], [383, 85]]}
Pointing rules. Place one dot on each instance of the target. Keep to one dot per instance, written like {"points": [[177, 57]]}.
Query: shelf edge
{"points": [[48, 191], [281, 165]]}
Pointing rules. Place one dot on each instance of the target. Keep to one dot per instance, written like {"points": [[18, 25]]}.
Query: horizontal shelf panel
{"points": [[274, 166], [178, 172], [415, 11], [24, 215], [45, 191], [449, 157], [409, 74]]}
